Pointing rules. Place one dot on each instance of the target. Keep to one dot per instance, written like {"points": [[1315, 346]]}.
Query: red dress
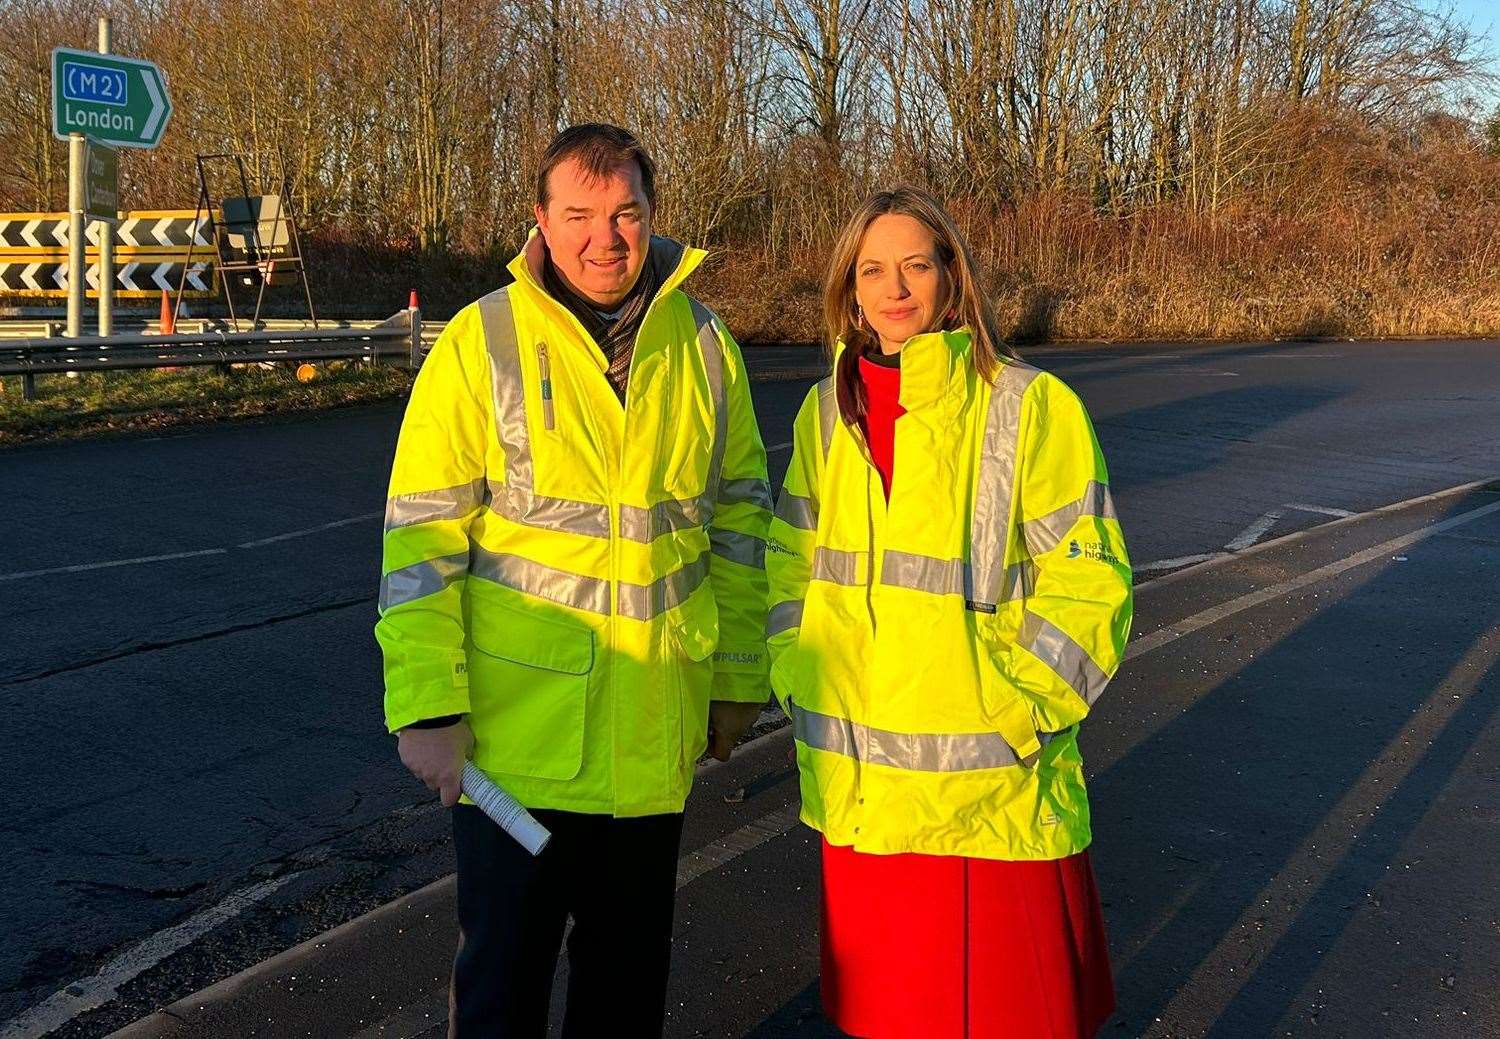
{"points": [[936, 946]]}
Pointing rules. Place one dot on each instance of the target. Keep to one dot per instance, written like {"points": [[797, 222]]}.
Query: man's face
{"points": [[598, 229]]}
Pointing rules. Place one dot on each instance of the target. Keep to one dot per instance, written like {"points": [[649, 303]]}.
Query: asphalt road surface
{"points": [[1295, 801]]}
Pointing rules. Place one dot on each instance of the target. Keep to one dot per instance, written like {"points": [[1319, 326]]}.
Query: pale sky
{"points": [[1482, 15]]}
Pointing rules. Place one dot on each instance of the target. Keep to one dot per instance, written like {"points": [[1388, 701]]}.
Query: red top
{"points": [[883, 394]]}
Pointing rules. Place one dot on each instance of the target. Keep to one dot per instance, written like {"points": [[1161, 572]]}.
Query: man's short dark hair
{"points": [[600, 149]]}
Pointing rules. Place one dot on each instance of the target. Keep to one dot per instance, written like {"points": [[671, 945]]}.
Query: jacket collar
{"points": [[680, 260], [934, 366]]}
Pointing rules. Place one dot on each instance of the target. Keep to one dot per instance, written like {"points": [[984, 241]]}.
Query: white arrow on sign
{"points": [[160, 230], [92, 234], [60, 276], [198, 238], [91, 275], [28, 276], [158, 107], [160, 277], [195, 277], [60, 231], [127, 231], [29, 233], [127, 275]]}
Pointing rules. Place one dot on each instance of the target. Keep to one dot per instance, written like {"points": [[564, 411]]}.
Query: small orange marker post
{"points": [[306, 372], [168, 318]]}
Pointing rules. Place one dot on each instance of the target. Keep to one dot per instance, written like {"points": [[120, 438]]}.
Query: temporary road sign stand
{"points": [[255, 237], [110, 101]]}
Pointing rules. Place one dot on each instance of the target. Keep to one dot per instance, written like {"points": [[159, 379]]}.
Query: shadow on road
{"points": [[1240, 839]]}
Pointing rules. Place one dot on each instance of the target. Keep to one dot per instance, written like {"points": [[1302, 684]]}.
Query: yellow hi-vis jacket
{"points": [[937, 654], [577, 577]]}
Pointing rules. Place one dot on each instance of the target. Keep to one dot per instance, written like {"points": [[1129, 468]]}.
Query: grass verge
{"points": [[97, 403]]}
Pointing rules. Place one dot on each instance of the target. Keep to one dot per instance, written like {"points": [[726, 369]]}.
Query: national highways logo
{"points": [[1094, 550]]}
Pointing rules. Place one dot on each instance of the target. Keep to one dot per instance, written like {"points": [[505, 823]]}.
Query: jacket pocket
{"points": [[528, 682], [690, 643]]}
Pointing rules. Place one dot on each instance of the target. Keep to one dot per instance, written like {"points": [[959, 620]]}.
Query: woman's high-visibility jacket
{"points": [[579, 578], [936, 654]]}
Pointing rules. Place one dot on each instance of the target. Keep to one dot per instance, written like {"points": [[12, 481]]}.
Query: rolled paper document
{"points": [[507, 812]]}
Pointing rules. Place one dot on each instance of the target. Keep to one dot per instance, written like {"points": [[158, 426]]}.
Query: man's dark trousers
{"points": [[616, 878]]}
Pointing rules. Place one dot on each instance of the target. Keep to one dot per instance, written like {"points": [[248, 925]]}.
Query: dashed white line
{"points": [[88, 993], [82, 567], [362, 518], [168, 557]]}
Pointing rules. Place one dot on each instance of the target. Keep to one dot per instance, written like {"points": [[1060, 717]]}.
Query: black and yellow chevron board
{"points": [[151, 246]]}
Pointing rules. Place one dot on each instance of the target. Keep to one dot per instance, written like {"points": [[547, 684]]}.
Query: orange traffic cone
{"points": [[411, 304], [168, 319]]}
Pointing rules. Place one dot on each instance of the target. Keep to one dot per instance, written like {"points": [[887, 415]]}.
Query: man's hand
{"points": [[727, 722], [437, 756]]}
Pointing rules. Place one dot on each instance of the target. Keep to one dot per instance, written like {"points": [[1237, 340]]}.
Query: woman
{"points": [[950, 592]]}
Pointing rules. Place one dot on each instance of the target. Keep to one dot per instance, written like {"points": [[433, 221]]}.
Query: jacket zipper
{"points": [[549, 416]]}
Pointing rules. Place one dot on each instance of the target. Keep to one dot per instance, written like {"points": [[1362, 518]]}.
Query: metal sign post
{"points": [[103, 203], [112, 101], [78, 149]]}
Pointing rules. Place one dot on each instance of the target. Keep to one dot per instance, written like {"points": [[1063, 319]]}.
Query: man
{"points": [[574, 591]]}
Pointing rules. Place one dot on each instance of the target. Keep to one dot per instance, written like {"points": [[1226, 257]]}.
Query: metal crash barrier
{"points": [[397, 339]]}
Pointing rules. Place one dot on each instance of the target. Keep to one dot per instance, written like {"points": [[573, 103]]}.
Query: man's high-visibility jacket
{"points": [[578, 577], [936, 654]]}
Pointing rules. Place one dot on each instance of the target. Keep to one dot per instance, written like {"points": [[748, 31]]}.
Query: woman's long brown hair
{"points": [[967, 299]]}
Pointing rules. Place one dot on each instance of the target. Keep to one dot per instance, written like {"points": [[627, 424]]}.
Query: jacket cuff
{"points": [[412, 709], [436, 723]]}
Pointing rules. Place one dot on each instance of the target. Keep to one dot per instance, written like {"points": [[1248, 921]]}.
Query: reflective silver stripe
{"points": [[419, 580], [925, 573], [745, 549], [1056, 648], [545, 582], [447, 503], [646, 525], [911, 751], [952, 577], [644, 601], [993, 496], [796, 511], [830, 564], [713, 369], [783, 617], [1045, 532], [516, 499], [828, 413], [539, 510], [753, 491]]}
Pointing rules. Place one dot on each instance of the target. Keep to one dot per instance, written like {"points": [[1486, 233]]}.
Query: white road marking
{"points": [[1321, 510], [1213, 559], [109, 563], [363, 517], [1172, 564], [731, 846], [1172, 632], [1254, 532], [87, 993], [80, 568]]}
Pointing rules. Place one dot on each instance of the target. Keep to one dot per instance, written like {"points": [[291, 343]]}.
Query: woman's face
{"points": [[899, 281]]}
